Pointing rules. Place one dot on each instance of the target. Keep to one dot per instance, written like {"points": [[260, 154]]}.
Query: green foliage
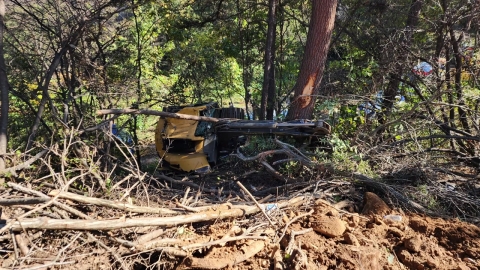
{"points": [[258, 144], [291, 168], [428, 199], [344, 118], [344, 157], [348, 121]]}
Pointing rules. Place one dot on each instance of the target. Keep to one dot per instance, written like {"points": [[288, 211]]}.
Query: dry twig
{"points": [[256, 203]]}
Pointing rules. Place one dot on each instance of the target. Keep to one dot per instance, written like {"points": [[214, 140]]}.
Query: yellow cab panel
{"points": [[177, 144]]}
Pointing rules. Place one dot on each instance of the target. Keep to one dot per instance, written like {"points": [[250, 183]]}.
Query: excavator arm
{"points": [[258, 127]]}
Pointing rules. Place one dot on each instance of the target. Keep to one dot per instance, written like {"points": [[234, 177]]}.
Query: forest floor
{"points": [[326, 223], [346, 228]]}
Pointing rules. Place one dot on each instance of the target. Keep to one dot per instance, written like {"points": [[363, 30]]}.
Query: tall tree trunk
{"points": [[268, 88], [3, 93], [245, 60], [139, 83], [272, 94], [313, 64]]}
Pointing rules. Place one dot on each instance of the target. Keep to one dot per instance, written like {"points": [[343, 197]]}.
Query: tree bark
{"points": [[313, 63], [268, 88], [3, 93]]}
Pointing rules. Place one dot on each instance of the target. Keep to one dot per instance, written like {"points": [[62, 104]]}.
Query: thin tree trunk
{"points": [[458, 78], [399, 62], [44, 85], [139, 84], [3, 93], [246, 74], [272, 94], [313, 63]]}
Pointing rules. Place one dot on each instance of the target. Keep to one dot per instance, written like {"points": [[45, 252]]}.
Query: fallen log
{"points": [[112, 224], [44, 223], [112, 204]]}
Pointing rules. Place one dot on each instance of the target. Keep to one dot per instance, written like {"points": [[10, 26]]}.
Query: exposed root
{"points": [[246, 252]]}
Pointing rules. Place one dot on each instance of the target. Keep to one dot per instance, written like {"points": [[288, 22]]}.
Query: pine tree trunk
{"points": [[313, 63]]}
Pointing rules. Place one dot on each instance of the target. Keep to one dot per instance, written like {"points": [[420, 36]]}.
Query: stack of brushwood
{"points": [[54, 225]]}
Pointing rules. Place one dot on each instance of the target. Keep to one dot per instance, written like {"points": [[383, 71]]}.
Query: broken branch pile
{"points": [[52, 227], [127, 230]]}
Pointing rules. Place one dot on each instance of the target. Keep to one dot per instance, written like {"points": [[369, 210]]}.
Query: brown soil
{"points": [[354, 242], [373, 242]]}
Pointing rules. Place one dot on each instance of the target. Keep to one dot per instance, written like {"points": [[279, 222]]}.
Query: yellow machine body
{"points": [[191, 145], [170, 129]]}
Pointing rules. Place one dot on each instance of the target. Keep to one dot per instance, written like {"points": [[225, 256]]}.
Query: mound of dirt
{"points": [[334, 239], [378, 242]]}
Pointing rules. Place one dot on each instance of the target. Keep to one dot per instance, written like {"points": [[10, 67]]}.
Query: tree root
{"points": [[244, 254]]}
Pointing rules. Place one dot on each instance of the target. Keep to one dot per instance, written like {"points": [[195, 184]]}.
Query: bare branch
{"points": [[111, 204], [158, 113]]}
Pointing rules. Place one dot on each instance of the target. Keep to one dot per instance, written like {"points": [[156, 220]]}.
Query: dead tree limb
{"points": [[290, 222], [13, 170], [23, 201], [74, 224], [261, 157], [158, 113], [111, 204], [391, 191], [41, 195], [43, 223], [256, 203], [438, 136]]}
